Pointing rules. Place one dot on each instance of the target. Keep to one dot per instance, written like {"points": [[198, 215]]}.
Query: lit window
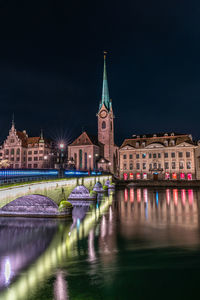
{"points": [[181, 165], [124, 166], [155, 165], [143, 155], [188, 164]]}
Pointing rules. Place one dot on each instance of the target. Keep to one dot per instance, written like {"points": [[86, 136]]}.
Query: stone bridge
{"points": [[56, 190]]}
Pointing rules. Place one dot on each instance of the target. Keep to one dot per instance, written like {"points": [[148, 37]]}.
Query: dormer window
{"points": [[166, 143], [172, 142], [155, 135], [172, 134], [166, 134], [143, 144]]}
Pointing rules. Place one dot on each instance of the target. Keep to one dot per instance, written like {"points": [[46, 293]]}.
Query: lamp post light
{"points": [[96, 157], [89, 161], [61, 148]]}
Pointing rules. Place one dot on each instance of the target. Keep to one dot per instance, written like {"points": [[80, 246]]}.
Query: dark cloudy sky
{"points": [[51, 65]]}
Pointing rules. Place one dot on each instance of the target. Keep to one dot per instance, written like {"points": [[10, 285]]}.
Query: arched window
{"points": [[80, 159], [18, 151], [86, 160], [12, 151], [103, 125]]}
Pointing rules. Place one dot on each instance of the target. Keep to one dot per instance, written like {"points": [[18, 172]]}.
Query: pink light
{"points": [[126, 195], [125, 176], [182, 176], [168, 196], [131, 195], [167, 175], [175, 196], [138, 195], [138, 175], [144, 175], [183, 197], [189, 176], [131, 176], [191, 197], [145, 195]]}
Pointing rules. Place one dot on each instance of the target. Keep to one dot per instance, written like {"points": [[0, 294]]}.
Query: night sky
{"points": [[51, 64]]}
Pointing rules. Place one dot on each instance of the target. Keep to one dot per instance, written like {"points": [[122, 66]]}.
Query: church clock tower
{"points": [[106, 122]]}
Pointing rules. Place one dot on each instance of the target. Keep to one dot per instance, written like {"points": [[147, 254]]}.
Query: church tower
{"points": [[106, 122]]}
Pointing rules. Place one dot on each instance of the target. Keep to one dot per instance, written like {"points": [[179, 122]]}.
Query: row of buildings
{"points": [[149, 156]]}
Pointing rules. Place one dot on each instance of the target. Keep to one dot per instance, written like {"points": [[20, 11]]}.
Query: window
{"points": [[41, 151], [188, 164], [150, 166], [131, 166], [35, 152], [180, 154], [166, 155], [80, 159], [0, 154], [143, 155], [7, 152], [17, 158], [12, 140], [131, 156], [75, 158], [173, 154], [29, 166], [155, 165], [159, 166], [35, 158], [29, 158], [187, 154], [124, 156], [124, 166], [103, 125], [86, 160], [144, 166], [173, 165], [137, 144], [18, 151], [150, 155], [12, 152], [40, 158], [137, 155], [181, 165], [12, 158], [137, 166], [159, 155], [166, 165], [16, 166], [154, 155], [35, 165], [30, 152]]}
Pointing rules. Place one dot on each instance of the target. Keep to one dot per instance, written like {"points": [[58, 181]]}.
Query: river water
{"points": [[136, 244]]}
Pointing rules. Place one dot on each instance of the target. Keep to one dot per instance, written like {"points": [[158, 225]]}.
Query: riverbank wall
{"points": [[158, 183]]}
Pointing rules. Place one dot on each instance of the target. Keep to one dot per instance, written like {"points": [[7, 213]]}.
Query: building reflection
{"points": [[173, 213]]}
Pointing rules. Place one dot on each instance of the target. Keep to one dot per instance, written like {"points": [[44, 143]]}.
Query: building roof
{"points": [[23, 137], [85, 139], [105, 99], [166, 139]]}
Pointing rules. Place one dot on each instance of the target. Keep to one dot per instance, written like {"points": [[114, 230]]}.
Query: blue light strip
{"points": [[20, 173]]}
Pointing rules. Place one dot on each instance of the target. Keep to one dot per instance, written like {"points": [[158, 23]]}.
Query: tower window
{"points": [[103, 125]]}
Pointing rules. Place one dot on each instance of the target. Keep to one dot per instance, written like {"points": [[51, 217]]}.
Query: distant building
{"points": [[22, 151], [100, 152], [158, 156]]}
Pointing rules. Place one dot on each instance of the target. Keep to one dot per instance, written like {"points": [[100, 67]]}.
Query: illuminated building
{"points": [[158, 156], [89, 152], [22, 151]]}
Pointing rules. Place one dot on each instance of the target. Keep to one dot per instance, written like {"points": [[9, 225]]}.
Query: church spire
{"points": [[105, 92]]}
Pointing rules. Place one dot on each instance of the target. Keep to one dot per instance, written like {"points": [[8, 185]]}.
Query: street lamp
{"points": [[45, 161], [89, 161]]}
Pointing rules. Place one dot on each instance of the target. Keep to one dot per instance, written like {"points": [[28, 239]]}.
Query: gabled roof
{"points": [[146, 140], [22, 136], [85, 139]]}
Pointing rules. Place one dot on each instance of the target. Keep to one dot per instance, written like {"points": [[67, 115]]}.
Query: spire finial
{"points": [[41, 134], [105, 92], [13, 119]]}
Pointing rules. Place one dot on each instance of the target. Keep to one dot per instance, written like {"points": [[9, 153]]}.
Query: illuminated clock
{"points": [[103, 113]]}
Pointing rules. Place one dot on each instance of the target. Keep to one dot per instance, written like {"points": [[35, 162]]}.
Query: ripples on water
{"points": [[142, 244]]}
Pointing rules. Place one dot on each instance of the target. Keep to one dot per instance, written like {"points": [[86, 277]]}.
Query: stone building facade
{"points": [[158, 156], [22, 151], [98, 152]]}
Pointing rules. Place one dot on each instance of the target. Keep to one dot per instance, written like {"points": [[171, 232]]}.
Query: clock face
{"points": [[103, 113]]}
